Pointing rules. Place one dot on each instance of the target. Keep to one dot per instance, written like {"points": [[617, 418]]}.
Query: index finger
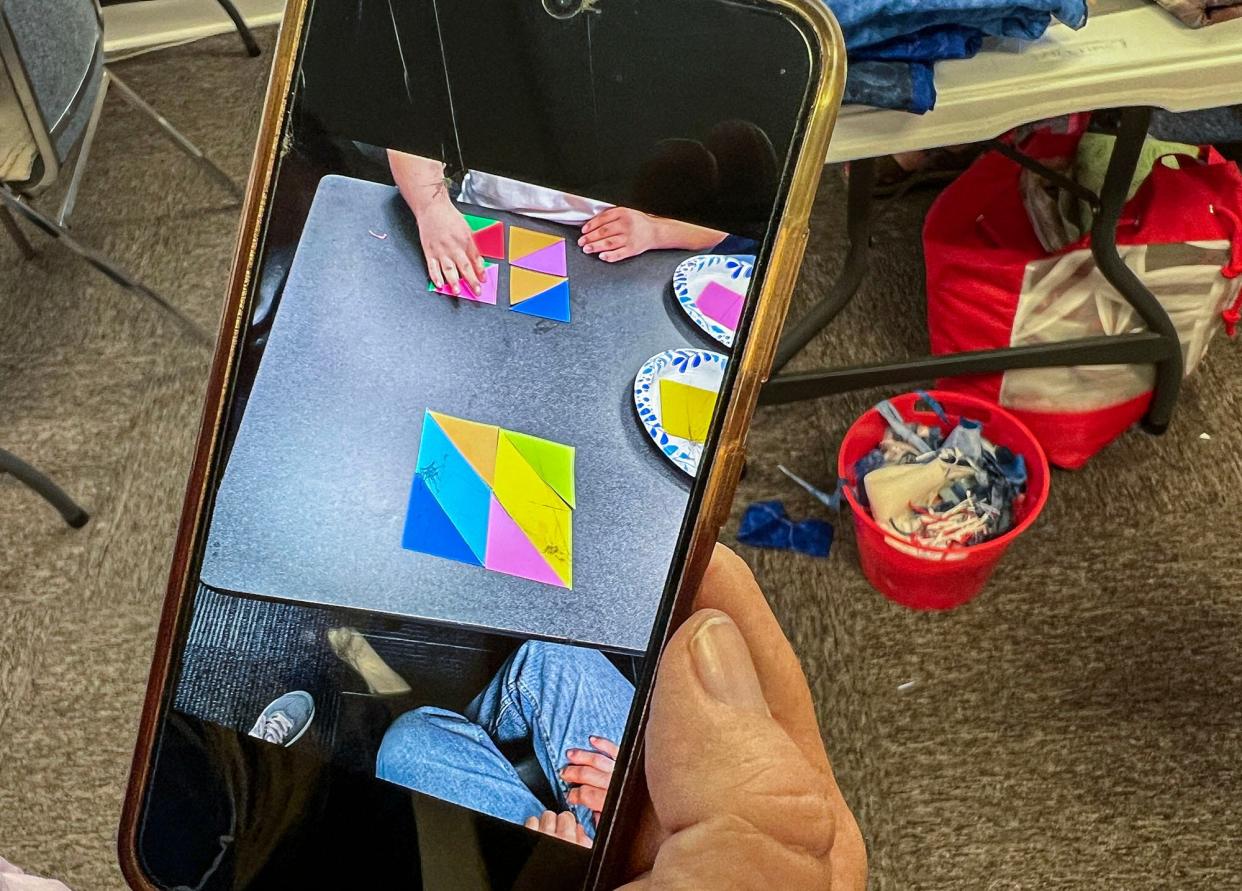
{"points": [[606, 216], [729, 586]]}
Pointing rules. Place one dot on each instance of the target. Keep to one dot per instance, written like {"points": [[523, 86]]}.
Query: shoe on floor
{"points": [[285, 720]]}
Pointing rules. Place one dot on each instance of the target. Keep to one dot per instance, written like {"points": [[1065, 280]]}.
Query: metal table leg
{"points": [[243, 30], [69, 509], [1158, 346], [1121, 167], [859, 216]]}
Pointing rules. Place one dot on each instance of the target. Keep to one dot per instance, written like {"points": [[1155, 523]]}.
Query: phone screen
{"points": [[484, 348]]}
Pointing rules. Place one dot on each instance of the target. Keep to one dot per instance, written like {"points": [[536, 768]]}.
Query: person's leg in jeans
{"points": [[440, 753], [558, 697]]}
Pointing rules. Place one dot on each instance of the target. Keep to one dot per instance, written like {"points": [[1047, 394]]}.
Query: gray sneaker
{"points": [[285, 720]]}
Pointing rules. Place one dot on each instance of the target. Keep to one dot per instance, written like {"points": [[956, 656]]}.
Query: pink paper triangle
{"points": [[511, 552], [719, 303], [550, 259]]}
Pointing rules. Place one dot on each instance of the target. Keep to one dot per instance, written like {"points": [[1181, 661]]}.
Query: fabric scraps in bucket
{"points": [[939, 490], [766, 525]]}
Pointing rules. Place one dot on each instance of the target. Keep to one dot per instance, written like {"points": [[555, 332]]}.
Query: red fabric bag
{"points": [[991, 284]]}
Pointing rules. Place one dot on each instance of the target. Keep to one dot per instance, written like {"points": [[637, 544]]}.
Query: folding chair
{"points": [[53, 83]]}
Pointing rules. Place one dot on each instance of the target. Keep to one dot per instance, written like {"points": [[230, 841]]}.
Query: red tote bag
{"points": [[991, 284]]}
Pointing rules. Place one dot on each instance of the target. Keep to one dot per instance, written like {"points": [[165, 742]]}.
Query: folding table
{"points": [[1131, 55]]}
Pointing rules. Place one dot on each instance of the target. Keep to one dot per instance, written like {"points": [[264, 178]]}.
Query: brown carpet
{"points": [[1077, 726]]}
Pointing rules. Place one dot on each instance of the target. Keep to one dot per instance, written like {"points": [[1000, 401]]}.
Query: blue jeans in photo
{"points": [[553, 695]]}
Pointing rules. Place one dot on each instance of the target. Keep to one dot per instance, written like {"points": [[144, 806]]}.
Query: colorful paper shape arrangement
{"points": [[492, 497], [489, 236], [720, 304], [686, 410], [538, 294], [491, 278]]}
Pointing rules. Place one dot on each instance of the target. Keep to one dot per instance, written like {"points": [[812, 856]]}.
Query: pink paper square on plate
{"points": [[720, 304]]}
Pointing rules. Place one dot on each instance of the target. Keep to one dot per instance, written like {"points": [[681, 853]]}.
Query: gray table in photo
{"points": [[313, 500]]}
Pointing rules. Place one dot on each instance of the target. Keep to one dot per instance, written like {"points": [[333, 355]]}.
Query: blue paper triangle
{"points": [[460, 491], [429, 530], [551, 304]]}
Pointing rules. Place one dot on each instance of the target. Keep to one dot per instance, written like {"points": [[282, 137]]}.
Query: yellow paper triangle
{"points": [[685, 410], [538, 511], [477, 442], [525, 284], [553, 461], [525, 241]]}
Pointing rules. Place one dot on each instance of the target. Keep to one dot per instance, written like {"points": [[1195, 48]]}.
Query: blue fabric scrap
{"points": [[766, 525]]}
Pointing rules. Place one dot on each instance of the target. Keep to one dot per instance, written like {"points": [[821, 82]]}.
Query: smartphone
{"points": [[510, 274]]}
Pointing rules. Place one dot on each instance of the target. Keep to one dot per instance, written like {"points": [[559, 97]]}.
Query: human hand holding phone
{"points": [[742, 793]]}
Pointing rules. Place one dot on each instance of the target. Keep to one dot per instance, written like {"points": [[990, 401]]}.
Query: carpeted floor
{"points": [[1075, 727]]}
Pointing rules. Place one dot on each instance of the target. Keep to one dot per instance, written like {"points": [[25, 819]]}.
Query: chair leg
{"points": [[99, 261], [193, 151], [84, 153], [243, 30], [15, 232], [72, 512]]}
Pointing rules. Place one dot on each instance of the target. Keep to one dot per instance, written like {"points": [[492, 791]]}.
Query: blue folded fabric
{"points": [[766, 525], [902, 85], [871, 22], [894, 44], [928, 45]]}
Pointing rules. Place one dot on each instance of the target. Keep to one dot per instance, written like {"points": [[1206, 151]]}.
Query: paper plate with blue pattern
{"points": [[709, 273], [701, 369]]}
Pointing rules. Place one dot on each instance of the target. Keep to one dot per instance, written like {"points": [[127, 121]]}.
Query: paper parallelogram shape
{"points": [[489, 236], [720, 304], [491, 278], [538, 294], [685, 410], [525, 485]]}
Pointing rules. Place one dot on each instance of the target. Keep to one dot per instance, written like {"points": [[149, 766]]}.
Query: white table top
{"points": [[1131, 52]]}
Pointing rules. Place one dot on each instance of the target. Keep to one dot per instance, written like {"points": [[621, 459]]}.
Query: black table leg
{"points": [[858, 228], [74, 515], [1158, 346], [243, 30], [1121, 167]]}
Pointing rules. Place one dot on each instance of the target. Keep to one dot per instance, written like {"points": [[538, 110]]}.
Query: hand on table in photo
{"points": [[452, 257], [620, 233], [742, 793]]}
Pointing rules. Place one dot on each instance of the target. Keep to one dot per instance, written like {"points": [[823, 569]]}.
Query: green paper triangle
{"points": [[477, 223], [553, 461]]}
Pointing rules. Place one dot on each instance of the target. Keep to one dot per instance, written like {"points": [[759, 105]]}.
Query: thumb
{"points": [[742, 804]]}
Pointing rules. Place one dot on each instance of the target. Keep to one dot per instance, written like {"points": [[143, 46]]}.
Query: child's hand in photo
{"points": [[563, 826], [619, 233], [590, 772], [449, 249]]}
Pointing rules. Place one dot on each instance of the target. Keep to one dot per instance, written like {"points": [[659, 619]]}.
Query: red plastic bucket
{"points": [[938, 578]]}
